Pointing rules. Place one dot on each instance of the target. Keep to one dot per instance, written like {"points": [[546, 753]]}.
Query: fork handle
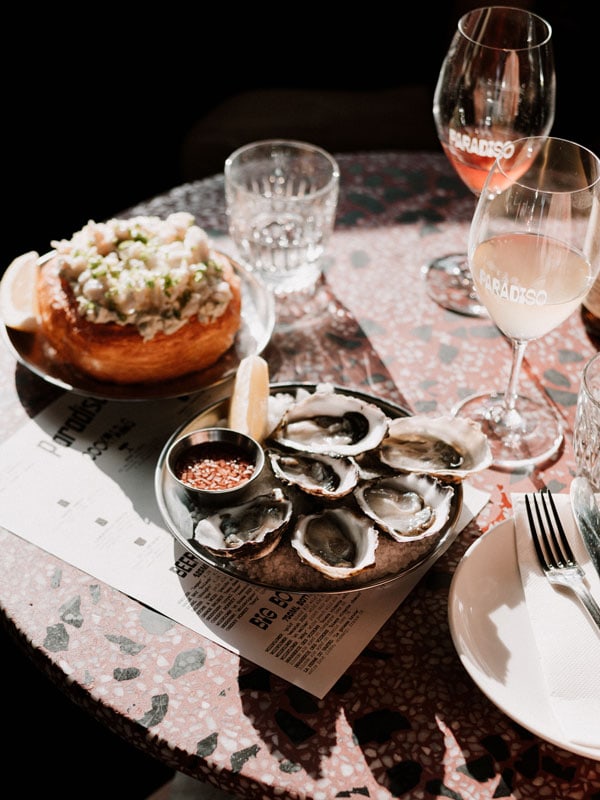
{"points": [[588, 601]]}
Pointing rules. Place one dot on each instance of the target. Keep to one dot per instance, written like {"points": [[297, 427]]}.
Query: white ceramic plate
{"points": [[258, 320], [492, 634]]}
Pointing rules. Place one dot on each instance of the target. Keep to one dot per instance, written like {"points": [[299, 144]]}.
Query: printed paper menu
{"points": [[92, 463]]}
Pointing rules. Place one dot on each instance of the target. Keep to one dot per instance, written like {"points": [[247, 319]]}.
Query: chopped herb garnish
{"points": [[137, 272]]}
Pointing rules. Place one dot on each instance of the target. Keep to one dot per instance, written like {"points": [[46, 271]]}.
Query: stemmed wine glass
{"points": [[534, 251], [496, 83]]}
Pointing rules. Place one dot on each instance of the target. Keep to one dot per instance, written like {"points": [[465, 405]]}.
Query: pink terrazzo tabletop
{"points": [[405, 720]]}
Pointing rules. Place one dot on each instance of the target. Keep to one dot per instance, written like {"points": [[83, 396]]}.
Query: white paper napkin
{"points": [[567, 639]]}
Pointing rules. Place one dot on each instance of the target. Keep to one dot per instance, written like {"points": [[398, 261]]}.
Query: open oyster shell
{"points": [[449, 447], [406, 506], [320, 475], [249, 530], [332, 423], [336, 541]]}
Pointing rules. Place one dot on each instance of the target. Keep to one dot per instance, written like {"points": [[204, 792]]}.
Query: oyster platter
{"points": [[355, 492]]}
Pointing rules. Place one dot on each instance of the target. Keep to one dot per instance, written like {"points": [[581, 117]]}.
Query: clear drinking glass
{"points": [[586, 433], [281, 200], [496, 83], [534, 251]]}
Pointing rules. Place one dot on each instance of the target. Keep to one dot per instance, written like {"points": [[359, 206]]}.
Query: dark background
{"points": [[103, 112], [103, 109]]}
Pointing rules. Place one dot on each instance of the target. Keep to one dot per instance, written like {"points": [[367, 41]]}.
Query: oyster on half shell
{"points": [[450, 447], [316, 474], [337, 542], [249, 530], [332, 423], [406, 506]]}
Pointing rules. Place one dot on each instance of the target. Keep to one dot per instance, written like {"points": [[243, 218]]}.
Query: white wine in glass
{"points": [[534, 251], [497, 83]]}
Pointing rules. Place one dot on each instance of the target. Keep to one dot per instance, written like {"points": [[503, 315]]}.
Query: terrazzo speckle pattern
{"points": [[405, 720]]}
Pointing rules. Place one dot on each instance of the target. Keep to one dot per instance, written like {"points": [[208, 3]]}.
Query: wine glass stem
{"points": [[512, 418]]}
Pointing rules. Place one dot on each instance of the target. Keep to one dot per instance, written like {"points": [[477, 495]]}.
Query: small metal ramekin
{"points": [[225, 445]]}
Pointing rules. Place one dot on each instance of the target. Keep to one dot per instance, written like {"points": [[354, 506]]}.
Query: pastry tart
{"points": [[138, 300]]}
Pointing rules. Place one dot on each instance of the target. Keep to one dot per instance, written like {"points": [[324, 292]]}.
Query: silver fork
{"points": [[554, 552]]}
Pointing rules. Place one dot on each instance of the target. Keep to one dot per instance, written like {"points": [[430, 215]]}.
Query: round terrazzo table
{"points": [[405, 720]]}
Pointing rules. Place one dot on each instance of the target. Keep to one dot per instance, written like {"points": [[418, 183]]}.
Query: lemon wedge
{"points": [[249, 403], [18, 305]]}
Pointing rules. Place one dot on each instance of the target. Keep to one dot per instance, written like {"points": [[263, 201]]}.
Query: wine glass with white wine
{"points": [[534, 251], [496, 83]]}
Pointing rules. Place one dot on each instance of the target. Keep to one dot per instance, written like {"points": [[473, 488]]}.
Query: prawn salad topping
{"points": [[153, 273]]}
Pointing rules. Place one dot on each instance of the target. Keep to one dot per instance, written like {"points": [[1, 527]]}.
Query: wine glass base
{"points": [[529, 435], [449, 283]]}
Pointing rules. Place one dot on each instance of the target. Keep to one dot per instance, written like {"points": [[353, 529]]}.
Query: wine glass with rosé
{"points": [[496, 83], [534, 251]]}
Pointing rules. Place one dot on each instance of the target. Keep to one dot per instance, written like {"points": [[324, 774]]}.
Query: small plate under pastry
{"points": [[258, 321]]}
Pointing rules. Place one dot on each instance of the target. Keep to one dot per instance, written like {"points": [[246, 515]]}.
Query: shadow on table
{"points": [[404, 746]]}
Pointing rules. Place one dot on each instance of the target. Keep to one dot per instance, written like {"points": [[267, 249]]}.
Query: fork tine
{"points": [[534, 534], [554, 553], [563, 548], [550, 557]]}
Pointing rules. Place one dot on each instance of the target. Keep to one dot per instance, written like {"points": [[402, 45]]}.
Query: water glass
{"points": [[281, 203], [586, 435]]}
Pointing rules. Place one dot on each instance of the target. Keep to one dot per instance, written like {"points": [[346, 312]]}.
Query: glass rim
{"points": [[284, 143], [523, 12], [330, 187], [518, 144]]}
